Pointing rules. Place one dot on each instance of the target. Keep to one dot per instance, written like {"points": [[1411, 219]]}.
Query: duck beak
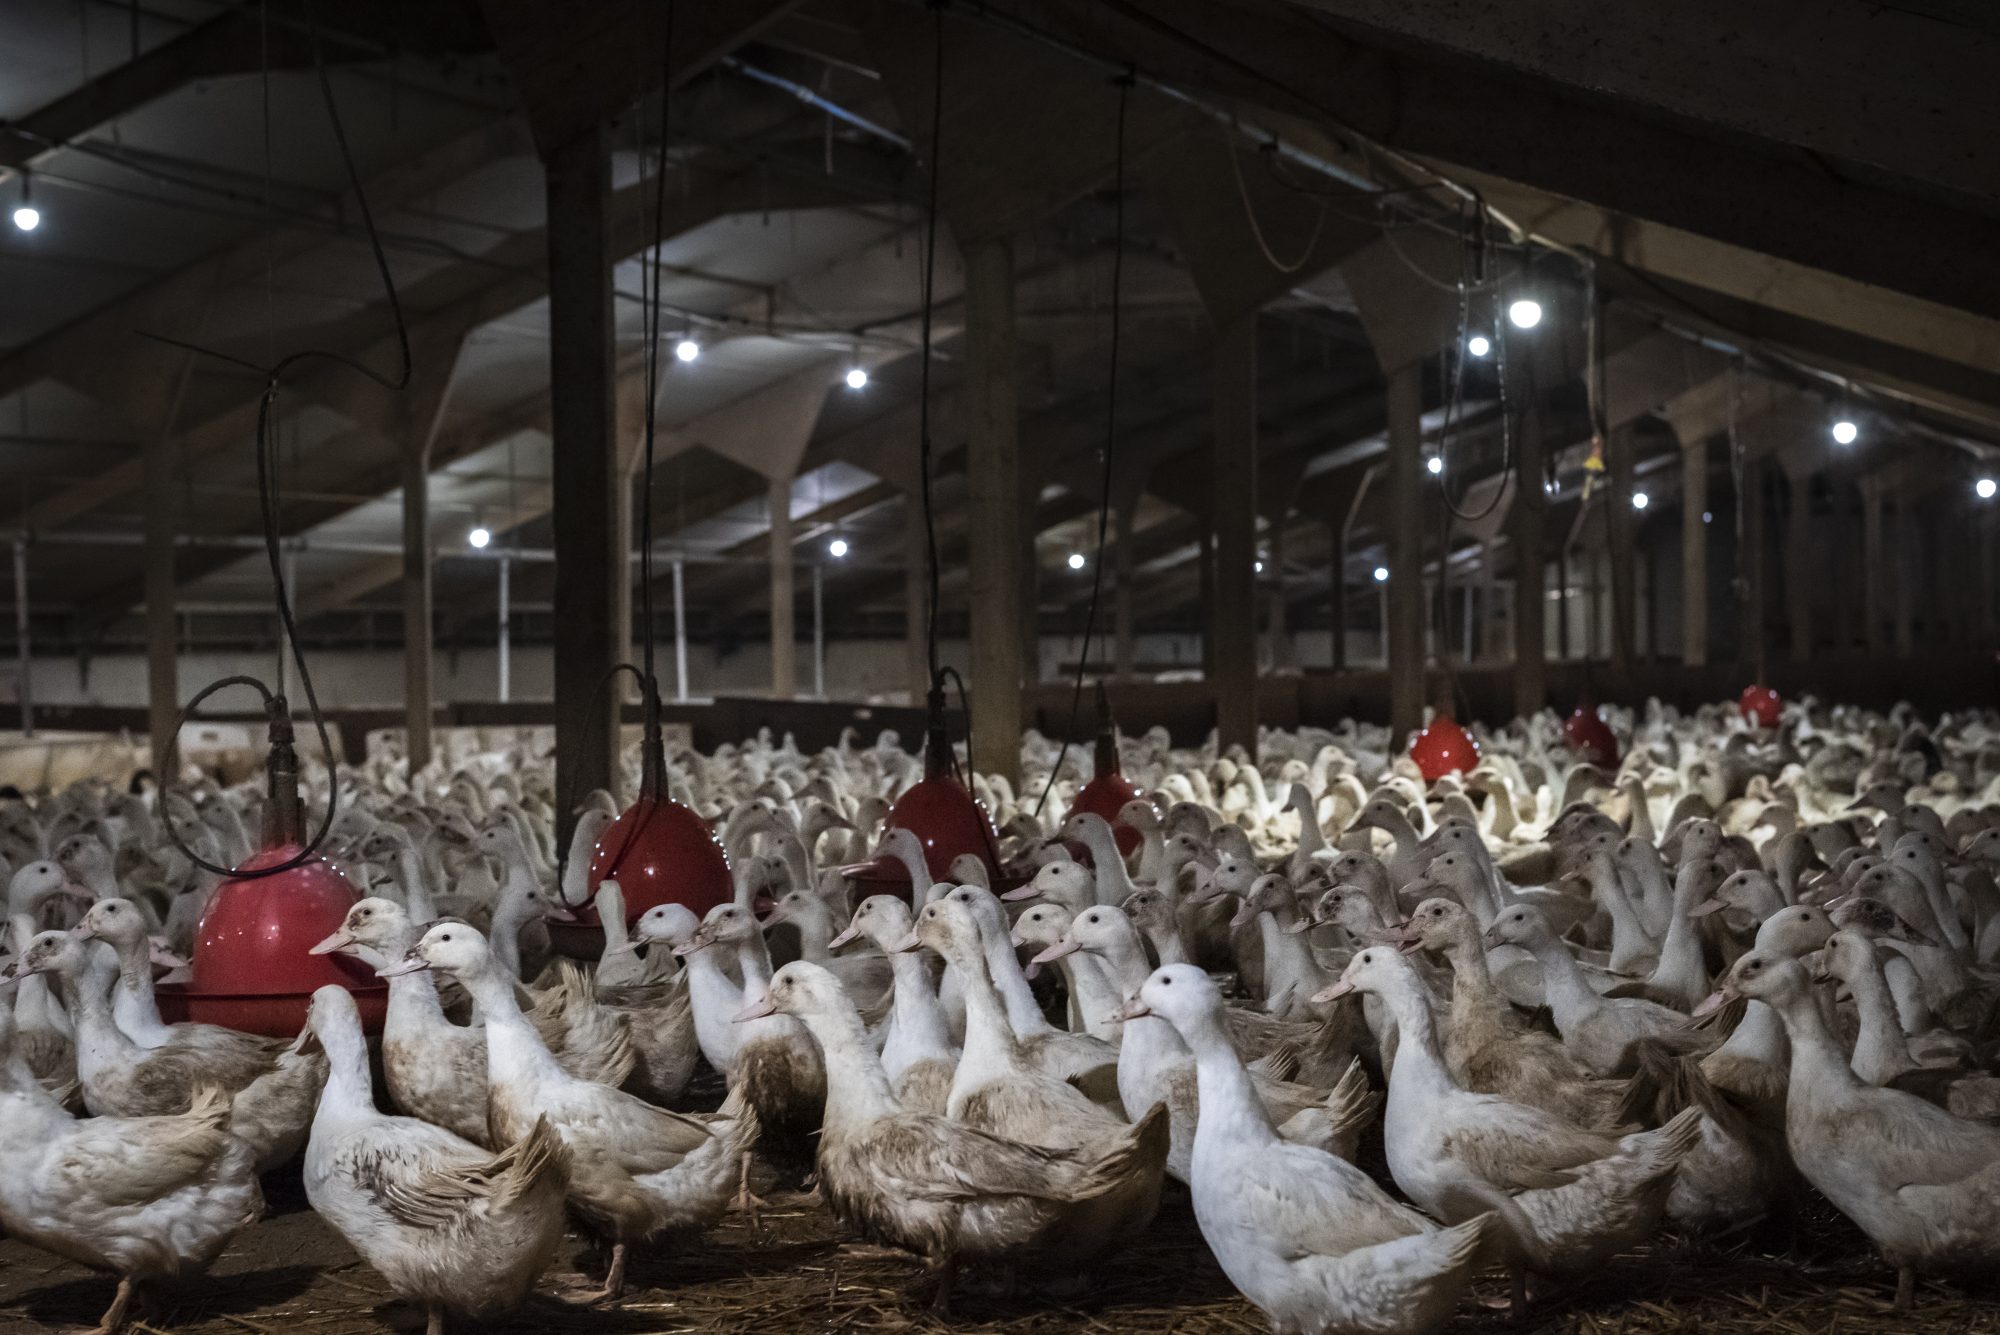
{"points": [[701, 940], [1057, 951], [1407, 942], [77, 892], [340, 940], [1706, 907], [410, 963], [776, 915], [1133, 1009], [83, 931], [1022, 892], [1714, 1002], [159, 953], [756, 1010], [559, 912], [1334, 993], [1303, 925], [1244, 915], [852, 933], [1491, 937], [906, 945]]}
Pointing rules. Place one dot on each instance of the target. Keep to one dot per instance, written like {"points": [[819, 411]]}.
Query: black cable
{"points": [[650, 683], [266, 491], [924, 385], [1124, 83]]}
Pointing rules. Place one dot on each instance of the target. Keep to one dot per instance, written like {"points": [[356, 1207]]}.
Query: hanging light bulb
{"points": [[687, 350], [1435, 463], [837, 548], [1845, 432], [1525, 313], [26, 216], [1640, 500], [1381, 574], [1076, 560], [1479, 345], [480, 535], [1985, 488], [857, 378]]}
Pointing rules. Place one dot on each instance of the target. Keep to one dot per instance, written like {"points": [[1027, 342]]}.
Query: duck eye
{"points": [[1166, 982]]}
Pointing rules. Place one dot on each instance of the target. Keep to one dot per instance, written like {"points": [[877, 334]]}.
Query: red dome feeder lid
{"points": [[1443, 748], [252, 967], [944, 816], [1109, 790], [1761, 705], [659, 852], [1591, 736]]}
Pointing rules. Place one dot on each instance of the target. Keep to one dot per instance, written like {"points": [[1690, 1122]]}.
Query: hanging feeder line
{"points": [[267, 492], [1124, 84]]}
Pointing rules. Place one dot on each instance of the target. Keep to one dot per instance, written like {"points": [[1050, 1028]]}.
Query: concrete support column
{"points": [[1694, 553], [589, 564], [162, 657], [1530, 602], [997, 549], [1984, 624], [416, 583], [1232, 608], [1274, 585], [623, 632], [1909, 537], [1405, 388], [1750, 561], [784, 582], [1126, 640], [916, 598], [1798, 566], [1621, 536]]}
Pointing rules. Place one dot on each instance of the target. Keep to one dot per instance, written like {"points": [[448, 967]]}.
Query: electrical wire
{"points": [[924, 383], [267, 491], [1125, 85]]}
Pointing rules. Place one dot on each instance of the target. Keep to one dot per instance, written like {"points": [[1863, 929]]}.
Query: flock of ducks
{"points": [[1571, 1007]]}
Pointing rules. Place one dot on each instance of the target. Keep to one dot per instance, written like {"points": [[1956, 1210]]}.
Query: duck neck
{"points": [[1009, 985], [921, 1024], [1125, 964], [753, 961], [857, 1086], [1819, 1065], [1471, 979], [1418, 1066], [416, 889], [1152, 852], [135, 978], [1879, 1043], [1569, 993], [349, 1092], [989, 1035], [1232, 1114], [1114, 884]]}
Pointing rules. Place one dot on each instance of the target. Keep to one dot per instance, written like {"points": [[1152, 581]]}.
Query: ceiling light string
{"points": [[267, 489], [1125, 84], [924, 380]]}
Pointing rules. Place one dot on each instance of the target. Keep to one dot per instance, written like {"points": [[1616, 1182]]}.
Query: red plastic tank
{"points": [[942, 812], [1761, 705], [1443, 748], [1108, 792], [1591, 736], [252, 967], [658, 851]]}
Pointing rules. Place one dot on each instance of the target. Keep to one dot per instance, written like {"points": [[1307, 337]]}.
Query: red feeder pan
{"points": [[253, 969], [658, 851], [1591, 737], [944, 816], [1761, 705], [1443, 748], [1107, 793]]}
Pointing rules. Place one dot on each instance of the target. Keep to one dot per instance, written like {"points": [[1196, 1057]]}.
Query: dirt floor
{"points": [[294, 1274]]}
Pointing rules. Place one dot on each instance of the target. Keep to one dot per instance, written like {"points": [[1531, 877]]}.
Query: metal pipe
{"points": [[814, 100], [506, 631], [819, 633], [23, 685], [680, 633]]}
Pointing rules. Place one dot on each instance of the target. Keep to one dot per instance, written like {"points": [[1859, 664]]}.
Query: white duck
{"points": [[1307, 1237], [1599, 1031], [450, 1225]]}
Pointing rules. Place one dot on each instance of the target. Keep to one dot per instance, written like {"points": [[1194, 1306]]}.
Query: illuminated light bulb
{"points": [[1381, 574], [1076, 560], [1985, 488], [837, 548], [1525, 314], [1479, 345], [480, 536], [1640, 500], [1260, 567], [1708, 516], [687, 349], [857, 379], [1435, 463], [1845, 432], [27, 217]]}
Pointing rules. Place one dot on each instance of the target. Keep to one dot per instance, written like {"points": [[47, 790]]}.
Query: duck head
{"points": [[450, 947], [378, 923]]}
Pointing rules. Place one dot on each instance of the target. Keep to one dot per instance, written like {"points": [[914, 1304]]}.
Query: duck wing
{"points": [[128, 1161], [429, 1179], [1515, 1147], [1306, 1202]]}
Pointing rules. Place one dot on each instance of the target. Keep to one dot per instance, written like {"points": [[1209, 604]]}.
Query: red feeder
{"points": [[947, 820], [1761, 705], [1107, 793], [252, 966], [658, 851], [1443, 748], [1591, 737]]}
